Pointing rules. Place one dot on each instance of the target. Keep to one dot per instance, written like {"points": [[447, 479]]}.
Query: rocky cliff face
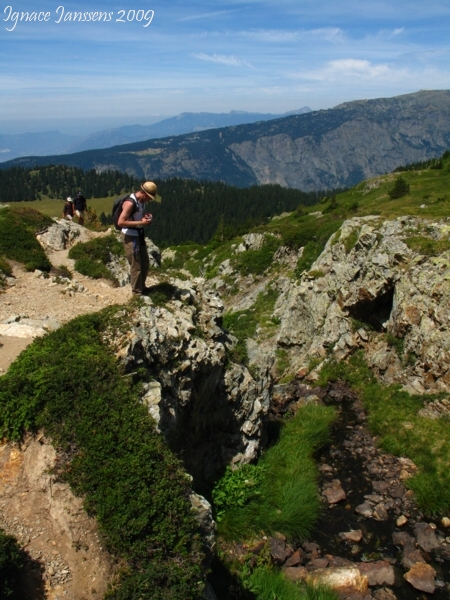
{"points": [[369, 290], [209, 409]]}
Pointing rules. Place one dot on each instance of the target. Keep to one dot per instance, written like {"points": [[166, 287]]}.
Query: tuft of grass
{"points": [[288, 501], [18, 228], [427, 246], [132, 483], [91, 257], [269, 584], [393, 416]]}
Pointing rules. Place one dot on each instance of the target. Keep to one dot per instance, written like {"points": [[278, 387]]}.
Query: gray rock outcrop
{"points": [[209, 410], [373, 282]]}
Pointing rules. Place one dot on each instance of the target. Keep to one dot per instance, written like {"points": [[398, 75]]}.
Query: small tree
{"points": [[401, 188]]}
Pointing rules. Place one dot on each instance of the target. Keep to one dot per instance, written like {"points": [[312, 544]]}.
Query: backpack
{"points": [[117, 209]]}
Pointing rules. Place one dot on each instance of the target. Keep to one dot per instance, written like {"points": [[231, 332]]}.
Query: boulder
{"points": [[344, 580]]}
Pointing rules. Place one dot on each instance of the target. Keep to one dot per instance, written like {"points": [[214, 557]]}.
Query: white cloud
{"points": [[221, 59]]}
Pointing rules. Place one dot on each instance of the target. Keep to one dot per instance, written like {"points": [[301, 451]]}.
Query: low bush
{"points": [[255, 262], [12, 563], [112, 455], [18, 228], [91, 257]]}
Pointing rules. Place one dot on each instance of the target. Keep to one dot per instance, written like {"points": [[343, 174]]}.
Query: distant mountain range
{"points": [[317, 150], [54, 142]]}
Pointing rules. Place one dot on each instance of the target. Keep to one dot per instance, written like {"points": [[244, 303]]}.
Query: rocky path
{"points": [[372, 541]]}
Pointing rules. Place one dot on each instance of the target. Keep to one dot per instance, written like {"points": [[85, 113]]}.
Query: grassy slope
{"points": [[54, 208]]}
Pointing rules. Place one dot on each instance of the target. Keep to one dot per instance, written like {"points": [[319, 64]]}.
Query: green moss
{"points": [[351, 240], [316, 274], [131, 482], [18, 228]]}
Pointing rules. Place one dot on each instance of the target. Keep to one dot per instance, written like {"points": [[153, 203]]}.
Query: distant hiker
{"points": [[80, 207], [132, 221], [68, 209]]}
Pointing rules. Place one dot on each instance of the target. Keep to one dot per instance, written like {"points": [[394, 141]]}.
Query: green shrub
{"points": [[401, 188], [162, 293], [91, 257], [236, 488], [18, 228], [257, 261], [288, 501], [12, 563], [131, 481]]}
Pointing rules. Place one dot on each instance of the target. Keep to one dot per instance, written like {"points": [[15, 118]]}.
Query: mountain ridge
{"points": [[322, 149]]}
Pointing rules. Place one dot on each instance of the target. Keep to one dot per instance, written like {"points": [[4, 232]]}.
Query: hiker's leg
{"points": [[145, 263], [133, 254]]}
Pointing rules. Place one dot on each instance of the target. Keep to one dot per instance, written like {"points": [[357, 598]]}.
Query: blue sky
{"points": [[262, 56]]}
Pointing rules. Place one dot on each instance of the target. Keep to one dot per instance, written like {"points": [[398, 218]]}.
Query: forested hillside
{"points": [[59, 181], [190, 210]]}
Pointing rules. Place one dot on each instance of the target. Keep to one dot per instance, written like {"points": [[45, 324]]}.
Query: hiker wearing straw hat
{"points": [[132, 221]]}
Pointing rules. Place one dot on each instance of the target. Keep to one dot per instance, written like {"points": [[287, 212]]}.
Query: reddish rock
{"points": [[334, 492], [384, 594], [422, 577], [317, 563], [351, 536], [295, 573], [379, 572], [298, 558], [425, 536], [279, 550], [256, 549]]}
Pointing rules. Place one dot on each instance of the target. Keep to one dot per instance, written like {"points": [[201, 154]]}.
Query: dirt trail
{"points": [[38, 298]]}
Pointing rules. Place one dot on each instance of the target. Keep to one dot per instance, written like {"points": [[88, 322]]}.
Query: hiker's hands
{"points": [[148, 218]]}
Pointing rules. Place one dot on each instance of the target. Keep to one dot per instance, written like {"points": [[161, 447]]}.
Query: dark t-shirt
{"points": [[79, 202]]}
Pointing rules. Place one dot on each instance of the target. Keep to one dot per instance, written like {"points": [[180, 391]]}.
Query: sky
{"points": [[145, 60]]}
